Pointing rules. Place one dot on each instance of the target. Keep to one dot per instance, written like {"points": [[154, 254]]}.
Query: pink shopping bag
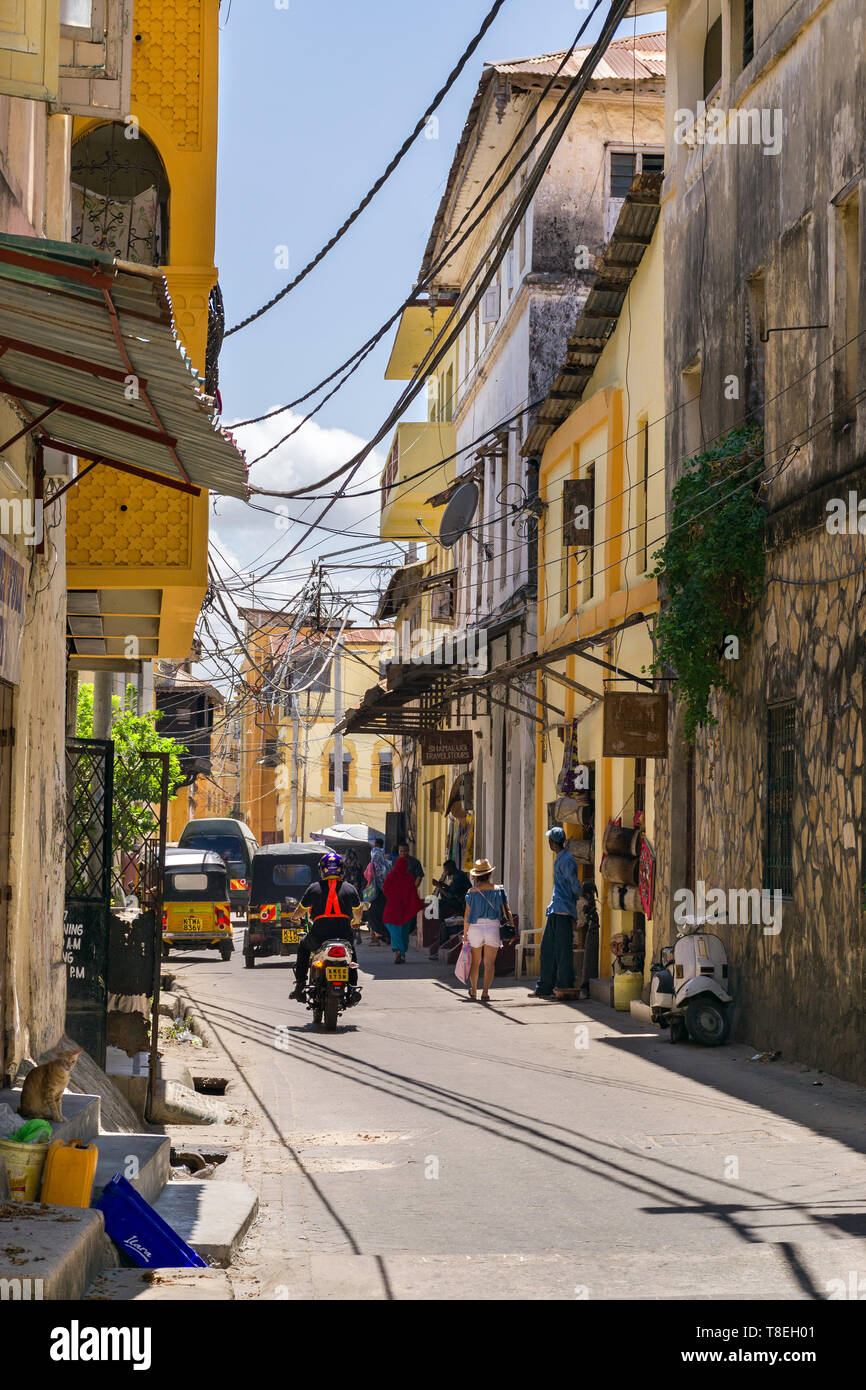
{"points": [[461, 968]]}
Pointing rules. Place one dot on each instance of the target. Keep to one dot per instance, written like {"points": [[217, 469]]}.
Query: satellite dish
{"points": [[458, 514]]}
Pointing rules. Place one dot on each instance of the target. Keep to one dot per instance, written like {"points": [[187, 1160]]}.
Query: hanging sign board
{"points": [[440, 746], [635, 725]]}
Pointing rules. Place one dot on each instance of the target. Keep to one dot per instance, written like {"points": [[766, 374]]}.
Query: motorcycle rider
{"points": [[331, 903]]}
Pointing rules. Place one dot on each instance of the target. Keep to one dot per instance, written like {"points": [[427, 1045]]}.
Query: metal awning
{"points": [[90, 354]]}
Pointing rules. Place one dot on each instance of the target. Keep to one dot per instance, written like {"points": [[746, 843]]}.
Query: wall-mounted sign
{"points": [[635, 725], [436, 792], [440, 746], [13, 585]]}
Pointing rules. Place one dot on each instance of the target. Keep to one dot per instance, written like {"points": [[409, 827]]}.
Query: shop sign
{"points": [[635, 725], [13, 585], [439, 746]]}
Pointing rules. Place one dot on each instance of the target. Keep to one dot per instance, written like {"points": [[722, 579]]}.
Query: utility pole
{"points": [[296, 734], [338, 737]]}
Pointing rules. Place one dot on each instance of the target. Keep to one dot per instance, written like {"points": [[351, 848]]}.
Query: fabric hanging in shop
{"points": [[567, 781]]}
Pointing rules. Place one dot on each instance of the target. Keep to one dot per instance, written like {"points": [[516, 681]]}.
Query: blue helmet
{"points": [[331, 865]]}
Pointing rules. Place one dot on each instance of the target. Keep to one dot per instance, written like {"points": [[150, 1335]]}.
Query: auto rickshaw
{"points": [[281, 874], [196, 912]]}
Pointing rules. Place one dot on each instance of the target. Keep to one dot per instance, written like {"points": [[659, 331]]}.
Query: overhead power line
{"points": [[451, 247], [383, 177]]}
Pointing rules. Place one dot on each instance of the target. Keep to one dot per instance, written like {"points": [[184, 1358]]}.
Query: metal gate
{"points": [[116, 818], [139, 820], [89, 784]]}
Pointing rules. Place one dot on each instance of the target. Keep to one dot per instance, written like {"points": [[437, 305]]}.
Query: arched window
{"points": [[120, 195]]}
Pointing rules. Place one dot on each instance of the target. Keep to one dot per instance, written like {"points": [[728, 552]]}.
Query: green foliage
{"points": [[136, 779], [713, 565]]}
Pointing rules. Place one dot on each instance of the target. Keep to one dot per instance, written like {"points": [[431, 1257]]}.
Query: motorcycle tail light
{"points": [[164, 921], [337, 952]]}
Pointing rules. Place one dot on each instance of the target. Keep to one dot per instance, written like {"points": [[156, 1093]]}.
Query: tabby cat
{"points": [[44, 1086]]}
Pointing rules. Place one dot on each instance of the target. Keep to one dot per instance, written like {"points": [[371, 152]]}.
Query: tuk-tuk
{"points": [[235, 842], [196, 913], [281, 875]]}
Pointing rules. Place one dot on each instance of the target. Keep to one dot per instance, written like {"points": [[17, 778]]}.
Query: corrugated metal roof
{"points": [[600, 314], [75, 325], [641, 57]]}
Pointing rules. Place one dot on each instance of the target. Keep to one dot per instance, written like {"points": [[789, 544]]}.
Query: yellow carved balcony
{"points": [[420, 465]]}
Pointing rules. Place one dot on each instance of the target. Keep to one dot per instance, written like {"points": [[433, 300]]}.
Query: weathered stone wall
{"points": [[737, 219], [802, 990]]}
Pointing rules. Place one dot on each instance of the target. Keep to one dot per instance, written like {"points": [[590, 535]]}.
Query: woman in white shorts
{"points": [[486, 905]]}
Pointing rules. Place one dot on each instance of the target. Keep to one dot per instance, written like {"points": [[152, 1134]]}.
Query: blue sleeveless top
{"points": [[485, 902]]}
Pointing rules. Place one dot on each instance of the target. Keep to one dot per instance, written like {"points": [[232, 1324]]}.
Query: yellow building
{"points": [[144, 190], [596, 595], [287, 722]]}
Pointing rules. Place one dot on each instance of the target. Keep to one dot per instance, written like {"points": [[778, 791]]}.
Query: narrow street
{"points": [[435, 1148]]}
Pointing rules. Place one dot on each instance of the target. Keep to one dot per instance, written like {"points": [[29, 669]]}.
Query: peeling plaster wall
{"points": [[34, 974], [34, 201], [804, 990]]}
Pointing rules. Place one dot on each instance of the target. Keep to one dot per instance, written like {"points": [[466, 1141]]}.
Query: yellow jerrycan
{"points": [[69, 1172]]}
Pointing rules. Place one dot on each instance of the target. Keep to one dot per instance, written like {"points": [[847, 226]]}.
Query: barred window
{"points": [[781, 752]]}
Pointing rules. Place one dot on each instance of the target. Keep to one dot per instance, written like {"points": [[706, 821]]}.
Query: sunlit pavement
{"points": [[436, 1147]]}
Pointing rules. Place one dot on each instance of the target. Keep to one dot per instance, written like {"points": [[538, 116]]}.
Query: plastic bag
{"points": [[32, 1132], [464, 960], [369, 873]]}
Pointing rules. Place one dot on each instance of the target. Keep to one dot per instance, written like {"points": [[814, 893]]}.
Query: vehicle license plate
{"points": [[336, 972]]}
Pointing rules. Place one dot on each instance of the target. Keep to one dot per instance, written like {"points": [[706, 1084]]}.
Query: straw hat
{"points": [[482, 868]]}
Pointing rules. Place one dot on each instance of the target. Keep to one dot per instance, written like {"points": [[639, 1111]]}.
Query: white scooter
{"points": [[689, 991]]}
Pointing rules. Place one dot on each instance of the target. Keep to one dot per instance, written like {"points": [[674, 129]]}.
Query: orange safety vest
{"points": [[332, 906]]}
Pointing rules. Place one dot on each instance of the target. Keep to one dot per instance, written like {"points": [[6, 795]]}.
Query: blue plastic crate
{"points": [[140, 1231]]}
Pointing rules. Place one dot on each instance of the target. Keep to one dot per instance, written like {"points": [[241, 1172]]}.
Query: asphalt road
{"points": [[435, 1147]]}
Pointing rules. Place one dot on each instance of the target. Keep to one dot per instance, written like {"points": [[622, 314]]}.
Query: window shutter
{"points": [[96, 68], [490, 304], [578, 512], [29, 48]]}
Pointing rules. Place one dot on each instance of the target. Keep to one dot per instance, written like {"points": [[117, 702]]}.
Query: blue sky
{"points": [[314, 101]]}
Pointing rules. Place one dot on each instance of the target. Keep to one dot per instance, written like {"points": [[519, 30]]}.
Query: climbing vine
{"points": [[712, 563]]}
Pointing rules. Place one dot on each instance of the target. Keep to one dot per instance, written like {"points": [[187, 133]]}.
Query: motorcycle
{"points": [[328, 990], [689, 991]]}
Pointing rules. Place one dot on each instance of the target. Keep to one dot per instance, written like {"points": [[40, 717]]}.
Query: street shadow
{"points": [[670, 1186]]}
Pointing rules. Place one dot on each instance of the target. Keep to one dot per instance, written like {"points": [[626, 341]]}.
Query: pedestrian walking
{"points": [[402, 906], [486, 906], [380, 866], [415, 865], [557, 942]]}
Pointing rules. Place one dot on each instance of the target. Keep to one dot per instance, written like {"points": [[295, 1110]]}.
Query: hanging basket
{"points": [[621, 839], [624, 898], [619, 868], [581, 850]]}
